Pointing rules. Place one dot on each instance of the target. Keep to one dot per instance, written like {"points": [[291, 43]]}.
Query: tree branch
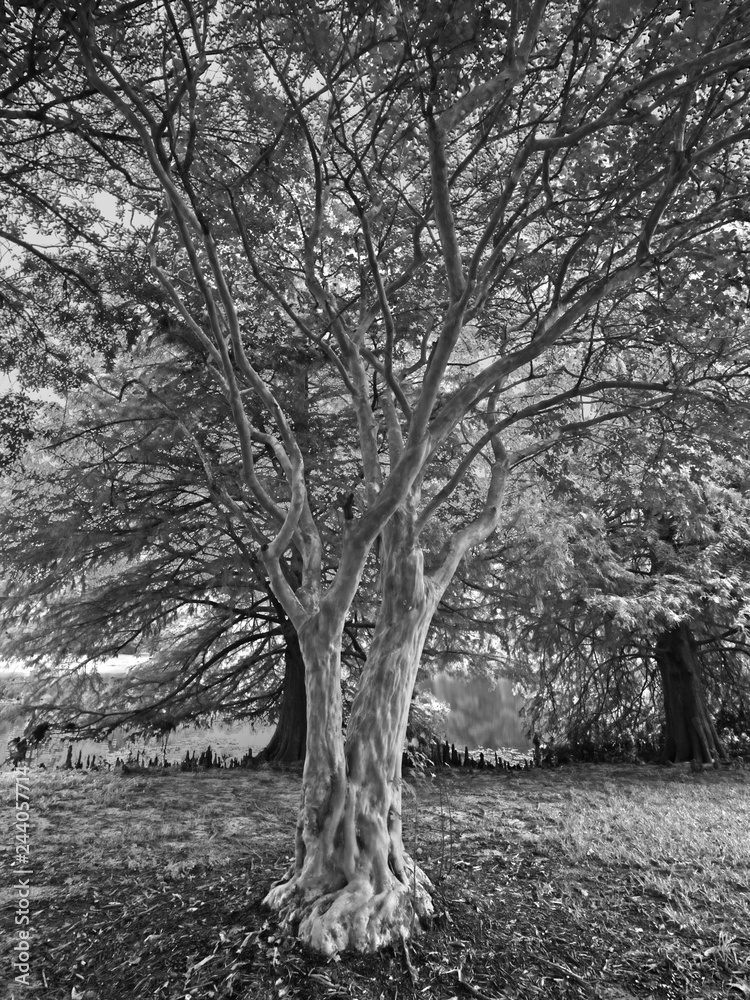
{"points": [[513, 71]]}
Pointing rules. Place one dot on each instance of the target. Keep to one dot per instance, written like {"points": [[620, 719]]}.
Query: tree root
{"points": [[355, 917]]}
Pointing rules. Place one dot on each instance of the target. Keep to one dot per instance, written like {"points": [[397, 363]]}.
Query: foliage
{"points": [[112, 545], [314, 236], [645, 531]]}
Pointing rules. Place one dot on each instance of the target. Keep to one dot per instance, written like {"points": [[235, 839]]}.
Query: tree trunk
{"points": [[690, 732], [287, 744], [352, 885]]}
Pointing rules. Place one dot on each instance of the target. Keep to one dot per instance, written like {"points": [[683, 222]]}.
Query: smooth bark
{"points": [[690, 732]]}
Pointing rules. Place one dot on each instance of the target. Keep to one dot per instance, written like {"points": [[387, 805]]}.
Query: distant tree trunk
{"points": [[352, 885], [287, 744], [690, 732]]}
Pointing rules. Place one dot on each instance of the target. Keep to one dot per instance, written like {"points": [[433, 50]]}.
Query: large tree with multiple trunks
{"points": [[446, 206]]}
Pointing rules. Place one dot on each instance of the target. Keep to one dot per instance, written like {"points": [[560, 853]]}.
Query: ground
{"points": [[601, 882]]}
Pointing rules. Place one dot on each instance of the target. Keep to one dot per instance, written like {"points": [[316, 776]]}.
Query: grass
{"points": [[601, 882]]}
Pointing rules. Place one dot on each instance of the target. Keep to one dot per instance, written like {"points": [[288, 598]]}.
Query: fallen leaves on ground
{"points": [[521, 912]]}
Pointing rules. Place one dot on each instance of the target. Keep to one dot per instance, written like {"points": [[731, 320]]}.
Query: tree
{"points": [[636, 593], [111, 544], [479, 186]]}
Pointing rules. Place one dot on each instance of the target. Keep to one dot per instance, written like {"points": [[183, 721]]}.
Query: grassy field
{"points": [[585, 882]]}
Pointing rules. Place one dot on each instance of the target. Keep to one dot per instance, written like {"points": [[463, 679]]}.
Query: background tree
{"points": [[111, 544], [636, 592], [474, 179]]}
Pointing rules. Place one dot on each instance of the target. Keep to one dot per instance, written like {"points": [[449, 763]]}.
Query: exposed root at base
{"points": [[354, 918]]}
